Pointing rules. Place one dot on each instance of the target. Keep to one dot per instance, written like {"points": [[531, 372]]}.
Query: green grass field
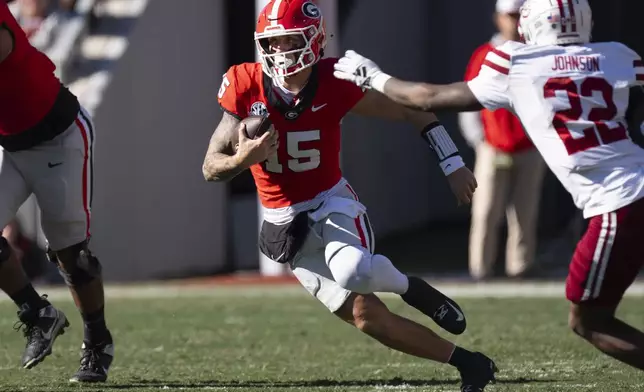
{"points": [[277, 338]]}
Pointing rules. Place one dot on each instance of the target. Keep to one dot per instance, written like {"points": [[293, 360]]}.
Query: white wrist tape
{"points": [[450, 165], [378, 82], [441, 143]]}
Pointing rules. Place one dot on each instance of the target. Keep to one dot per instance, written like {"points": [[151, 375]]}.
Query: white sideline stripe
{"points": [[457, 290]]}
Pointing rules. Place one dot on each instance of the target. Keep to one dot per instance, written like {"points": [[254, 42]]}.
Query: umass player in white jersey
{"points": [[572, 97]]}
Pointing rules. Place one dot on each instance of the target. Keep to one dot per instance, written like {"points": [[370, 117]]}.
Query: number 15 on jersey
{"points": [[299, 159]]}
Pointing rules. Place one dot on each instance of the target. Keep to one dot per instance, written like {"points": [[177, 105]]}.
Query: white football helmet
{"points": [[555, 22]]}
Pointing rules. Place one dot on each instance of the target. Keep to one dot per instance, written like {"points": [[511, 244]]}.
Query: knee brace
{"points": [[5, 250], [350, 266], [80, 268], [356, 269]]}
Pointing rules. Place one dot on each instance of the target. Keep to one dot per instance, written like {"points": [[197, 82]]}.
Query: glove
{"points": [[360, 71]]}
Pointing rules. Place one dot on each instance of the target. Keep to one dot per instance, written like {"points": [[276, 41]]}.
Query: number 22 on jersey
{"points": [[299, 159], [599, 132]]}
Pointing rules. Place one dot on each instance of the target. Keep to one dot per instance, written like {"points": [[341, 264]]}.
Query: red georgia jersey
{"points": [[308, 158], [28, 85]]}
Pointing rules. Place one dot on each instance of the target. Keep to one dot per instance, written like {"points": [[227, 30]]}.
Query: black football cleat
{"points": [[41, 328], [443, 310], [95, 363], [477, 373]]}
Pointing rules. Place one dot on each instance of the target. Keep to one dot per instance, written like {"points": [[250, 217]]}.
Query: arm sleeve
{"points": [[470, 122], [491, 84], [348, 93], [230, 100]]}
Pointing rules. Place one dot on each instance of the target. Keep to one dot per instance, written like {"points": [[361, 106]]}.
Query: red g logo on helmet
{"points": [[311, 10]]}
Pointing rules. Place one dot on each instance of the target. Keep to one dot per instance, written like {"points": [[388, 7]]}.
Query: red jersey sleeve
{"points": [[232, 92], [348, 93], [476, 62]]}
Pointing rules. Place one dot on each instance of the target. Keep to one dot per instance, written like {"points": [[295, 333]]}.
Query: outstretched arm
{"points": [[459, 177], [415, 95], [375, 104], [432, 97]]}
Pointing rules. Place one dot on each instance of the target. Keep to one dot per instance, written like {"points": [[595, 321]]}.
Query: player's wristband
{"points": [[441, 143], [378, 82]]}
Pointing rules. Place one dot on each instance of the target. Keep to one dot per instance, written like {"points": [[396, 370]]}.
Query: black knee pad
{"points": [[5, 250], [84, 267]]}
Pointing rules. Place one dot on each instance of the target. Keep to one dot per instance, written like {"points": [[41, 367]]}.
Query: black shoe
{"points": [[95, 362], [443, 310], [477, 373], [41, 328]]}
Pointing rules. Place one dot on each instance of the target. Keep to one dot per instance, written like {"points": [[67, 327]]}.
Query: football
{"points": [[256, 126]]}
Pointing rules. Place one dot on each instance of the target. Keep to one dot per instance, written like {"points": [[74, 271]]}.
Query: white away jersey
{"points": [[572, 101]]}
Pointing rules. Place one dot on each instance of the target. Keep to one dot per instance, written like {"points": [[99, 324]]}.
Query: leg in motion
{"points": [[607, 260], [65, 197], [371, 316], [610, 335], [40, 322], [350, 259], [82, 273]]}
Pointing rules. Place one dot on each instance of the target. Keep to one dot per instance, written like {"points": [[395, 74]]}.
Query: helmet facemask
{"points": [[287, 63]]}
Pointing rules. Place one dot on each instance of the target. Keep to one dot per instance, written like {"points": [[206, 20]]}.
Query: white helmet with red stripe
{"points": [[555, 22]]}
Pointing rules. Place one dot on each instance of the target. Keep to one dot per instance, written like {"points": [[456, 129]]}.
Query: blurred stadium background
{"points": [[149, 71]]}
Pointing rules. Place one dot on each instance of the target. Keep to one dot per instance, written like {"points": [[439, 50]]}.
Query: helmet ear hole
{"points": [[265, 45]]}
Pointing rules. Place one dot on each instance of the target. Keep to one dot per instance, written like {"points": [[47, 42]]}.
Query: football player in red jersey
{"points": [[312, 217], [47, 143]]}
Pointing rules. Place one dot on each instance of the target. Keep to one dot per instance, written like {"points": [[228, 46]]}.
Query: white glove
{"points": [[361, 71]]}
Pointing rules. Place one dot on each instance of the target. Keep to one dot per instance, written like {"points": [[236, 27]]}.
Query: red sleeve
{"points": [[351, 94], [476, 62], [231, 92], [348, 93]]}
